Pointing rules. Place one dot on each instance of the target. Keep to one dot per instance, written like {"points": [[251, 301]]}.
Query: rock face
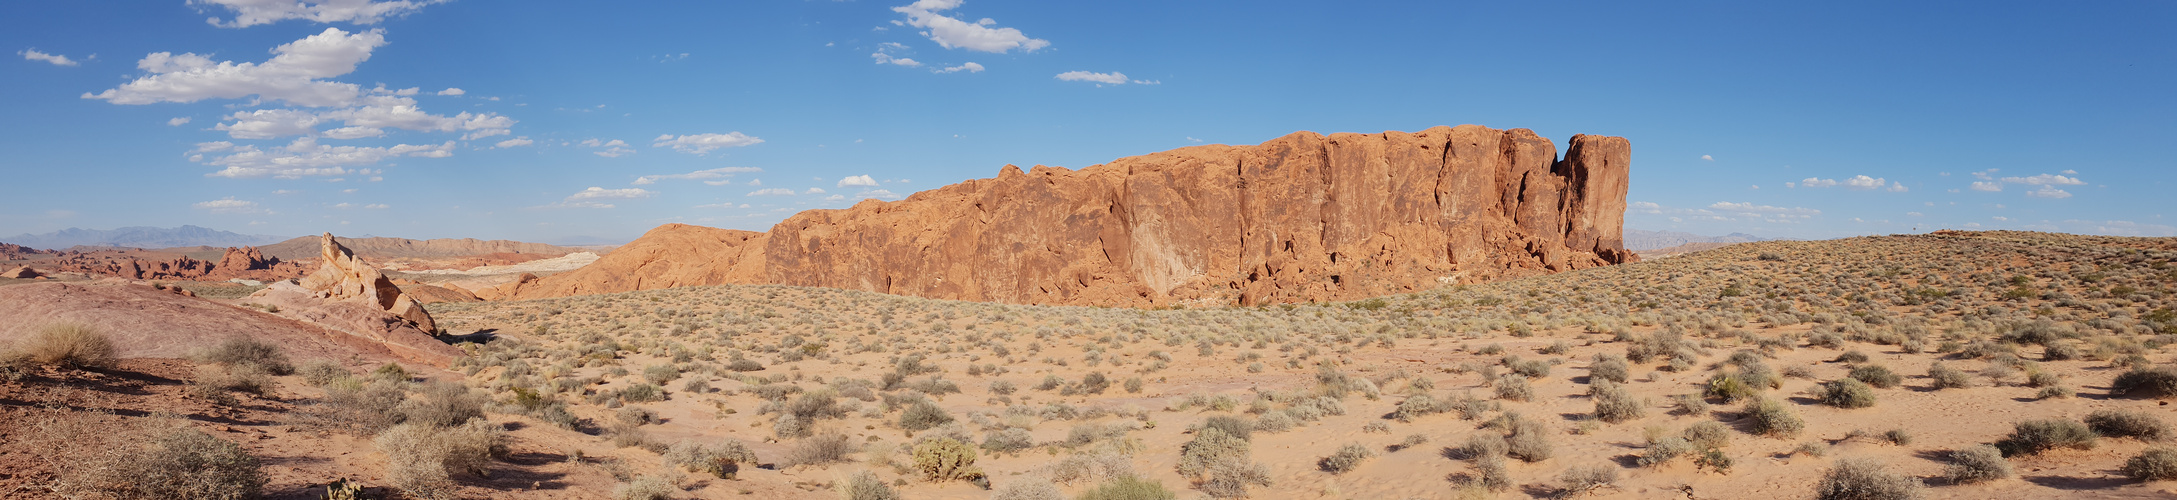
{"points": [[342, 277], [21, 273], [1301, 218], [245, 262], [383, 249]]}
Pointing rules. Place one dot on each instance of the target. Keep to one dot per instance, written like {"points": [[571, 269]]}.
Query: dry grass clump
{"points": [[1586, 478], [419, 456], [2035, 436], [924, 415], [2154, 464], [1027, 489], [174, 462], [1864, 479], [1607, 366], [1773, 418], [1976, 464], [246, 351], [1346, 459], [864, 485], [645, 488], [820, 449], [67, 345], [2127, 423], [1231, 478]]}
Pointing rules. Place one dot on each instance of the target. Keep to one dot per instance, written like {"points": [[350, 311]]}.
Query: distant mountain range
{"points": [[1639, 240], [141, 237]]}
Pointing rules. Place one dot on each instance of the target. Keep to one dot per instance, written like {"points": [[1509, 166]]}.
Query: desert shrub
{"points": [[819, 449], [180, 462], [1050, 382], [352, 406], [2153, 464], [2054, 392], [1027, 489], [816, 405], [443, 404], [1529, 441], [1773, 418], [944, 459], [1690, 404], [864, 485], [1852, 357], [2146, 380], [1346, 459], [923, 415], [1815, 448], [1608, 367], [1513, 387], [2035, 436], [696, 386], [660, 374], [744, 365], [642, 393], [68, 345], [2059, 351], [645, 488], [391, 372], [1708, 435], [1080, 467], [419, 456], [1876, 375], [1586, 478], [1613, 403], [722, 460], [1002, 387], [319, 372], [1976, 464], [1415, 407], [1482, 444], [1714, 460], [1128, 488], [1945, 377], [1231, 478], [1492, 473], [1730, 388], [1533, 368], [248, 351], [1848, 393], [1008, 440], [252, 379], [1864, 479], [1133, 385], [636, 415], [1233, 426], [2042, 378], [2126, 423], [1663, 450], [1209, 446], [1897, 437]]}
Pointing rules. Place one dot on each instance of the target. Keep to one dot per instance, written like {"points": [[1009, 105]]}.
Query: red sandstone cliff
{"points": [[1301, 218]]}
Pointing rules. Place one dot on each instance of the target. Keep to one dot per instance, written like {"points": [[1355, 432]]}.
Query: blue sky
{"points": [[474, 118]]}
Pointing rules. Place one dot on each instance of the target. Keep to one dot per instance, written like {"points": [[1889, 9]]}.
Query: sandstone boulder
{"points": [[21, 273], [342, 277], [1302, 218]]}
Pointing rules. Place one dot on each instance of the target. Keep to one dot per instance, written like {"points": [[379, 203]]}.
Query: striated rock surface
{"points": [[1301, 218], [342, 277]]}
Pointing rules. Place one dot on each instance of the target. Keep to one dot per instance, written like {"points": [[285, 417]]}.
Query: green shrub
{"points": [[1945, 377], [1865, 479], [2126, 423], [1663, 450], [1613, 403], [1773, 418], [944, 459], [1976, 464], [392, 372], [1848, 393], [642, 393], [2154, 464], [1876, 375], [1209, 446], [319, 372], [68, 345], [1730, 388], [1708, 435], [722, 460], [2035, 436], [1346, 459], [1128, 488]]}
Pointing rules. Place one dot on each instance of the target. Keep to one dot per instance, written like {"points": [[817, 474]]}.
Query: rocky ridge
{"points": [[1302, 218]]}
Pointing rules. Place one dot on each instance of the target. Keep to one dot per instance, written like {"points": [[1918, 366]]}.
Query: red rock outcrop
{"points": [[1302, 218], [144, 322], [9, 251], [342, 277], [245, 262], [21, 273]]}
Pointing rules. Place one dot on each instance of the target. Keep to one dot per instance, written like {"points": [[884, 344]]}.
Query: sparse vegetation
{"points": [[1976, 464], [67, 345], [1864, 479], [2035, 436]]}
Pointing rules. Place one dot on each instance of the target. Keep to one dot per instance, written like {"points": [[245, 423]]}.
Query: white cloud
{"points": [[177, 121], [877, 193], [703, 175], [35, 55], [1646, 207], [1813, 182], [292, 75], [255, 12], [968, 67], [1708, 158], [1987, 186], [814, 191], [953, 33], [518, 141], [771, 192], [594, 196], [1898, 188], [2049, 192], [1112, 78], [269, 123], [304, 157], [2046, 180], [227, 205], [1748, 207], [452, 91], [857, 180], [613, 149], [1864, 182], [883, 58], [402, 112], [700, 144], [1985, 174], [377, 206], [354, 132], [1857, 182]]}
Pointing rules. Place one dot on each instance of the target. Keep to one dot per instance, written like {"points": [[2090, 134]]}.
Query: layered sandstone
{"points": [[380, 249], [1302, 218], [245, 263], [342, 277]]}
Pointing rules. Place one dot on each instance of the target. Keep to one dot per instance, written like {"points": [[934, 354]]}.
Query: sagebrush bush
{"points": [[642, 393], [824, 449], [1027, 489], [250, 351], [419, 457], [1514, 387], [2145, 380], [1848, 393], [180, 462], [1586, 478], [1864, 479], [2035, 436], [1416, 406], [1234, 426], [1209, 446], [1529, 441], [1346, 459], [1128, 488], [864, 485], [1663, 450], [645, 488], [1008, 440], [1708, 435], [319, 372], [1231, 478], [68, 345], [1080, 467], [443, 404], [1876, 375], [1492, 473], [1944, 377], [944, 459], [1976, 464], [2153, 464], [1613, 403], [722, 460], [1690, 404], [2127, 423], [1609, 367], [924, 415], [1773, 418]]}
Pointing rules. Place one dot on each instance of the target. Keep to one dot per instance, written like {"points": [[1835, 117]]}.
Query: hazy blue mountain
{"points": [[141, 237]]}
